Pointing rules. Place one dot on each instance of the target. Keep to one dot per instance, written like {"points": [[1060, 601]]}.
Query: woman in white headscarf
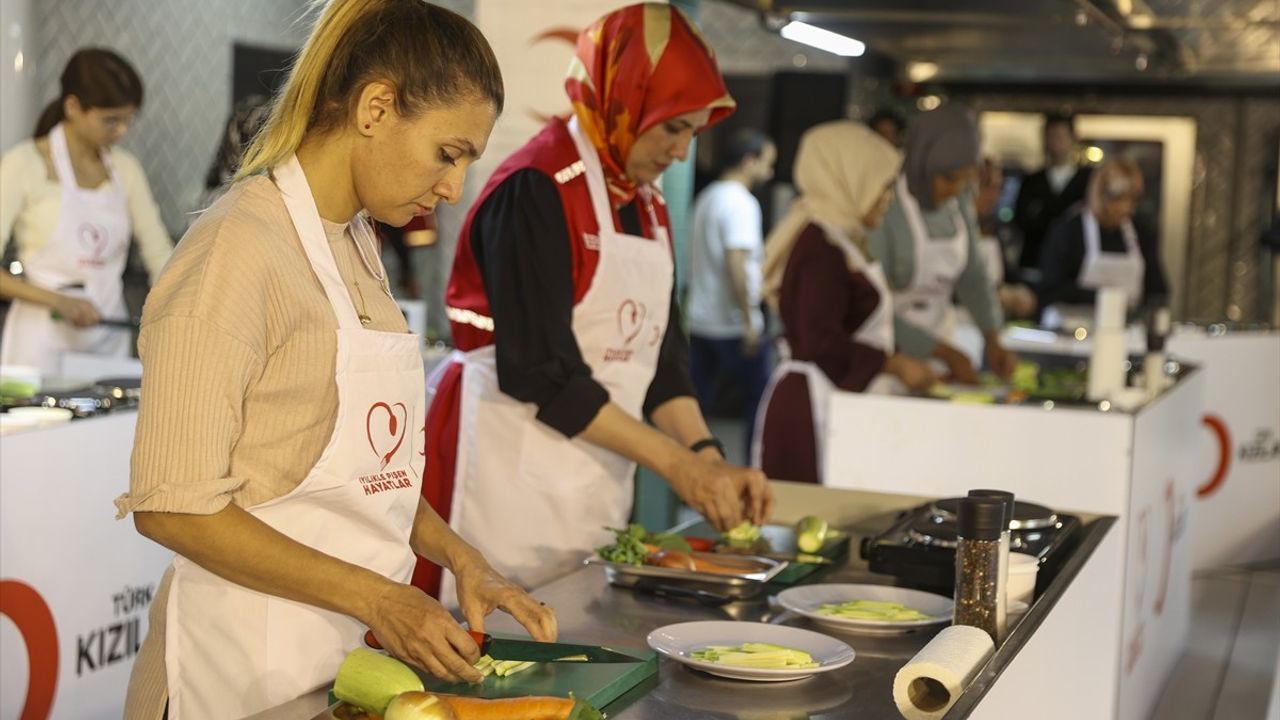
{"points": [[835, 306]]}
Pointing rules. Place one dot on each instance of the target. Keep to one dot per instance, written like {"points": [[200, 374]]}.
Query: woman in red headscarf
{"points": [[562, 306]]}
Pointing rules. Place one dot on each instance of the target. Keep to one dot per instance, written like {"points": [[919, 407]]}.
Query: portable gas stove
{"points": [[920, 547]]}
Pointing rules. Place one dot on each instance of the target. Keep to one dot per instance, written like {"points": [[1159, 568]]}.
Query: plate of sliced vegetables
{"points": [[751, 651], [867, 608]]}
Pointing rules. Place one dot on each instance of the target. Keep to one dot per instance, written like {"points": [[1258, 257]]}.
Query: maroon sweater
{"points": [[822, 303]]}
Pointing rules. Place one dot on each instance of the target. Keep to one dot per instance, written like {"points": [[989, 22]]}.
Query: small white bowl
{"points": [[43, 416], [1023, 569], [13, 423]]}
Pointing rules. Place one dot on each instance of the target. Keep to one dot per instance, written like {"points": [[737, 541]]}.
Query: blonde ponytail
{"points": [[428, 53]]}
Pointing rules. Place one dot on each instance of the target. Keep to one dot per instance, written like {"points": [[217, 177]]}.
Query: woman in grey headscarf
{"points": [[928, 245]]}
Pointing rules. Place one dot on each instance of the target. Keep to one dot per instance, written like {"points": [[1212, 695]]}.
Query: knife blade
{"points": [[124, 324], [533, 651]]}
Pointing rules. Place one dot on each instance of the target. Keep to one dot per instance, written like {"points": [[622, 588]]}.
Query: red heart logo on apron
{"points": [[631, 316], [93, 239], [397, 428]]}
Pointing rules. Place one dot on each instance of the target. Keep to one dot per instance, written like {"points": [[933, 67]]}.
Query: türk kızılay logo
{"points": [[1262, 447], [386, 427], [115, 641]]}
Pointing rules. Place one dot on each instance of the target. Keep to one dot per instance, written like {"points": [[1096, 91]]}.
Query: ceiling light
{"points": [[929, 102], [919, 72], [1094, 154], [823, 39]]}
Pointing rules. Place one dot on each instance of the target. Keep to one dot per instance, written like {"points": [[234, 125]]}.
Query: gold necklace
{"points": [[363, 315]]}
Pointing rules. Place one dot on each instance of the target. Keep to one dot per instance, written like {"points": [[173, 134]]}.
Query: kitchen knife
{"points": [[129, 324], [533, 651]]}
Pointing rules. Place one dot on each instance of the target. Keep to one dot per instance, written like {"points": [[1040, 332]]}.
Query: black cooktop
{"points": [[919, 547]]}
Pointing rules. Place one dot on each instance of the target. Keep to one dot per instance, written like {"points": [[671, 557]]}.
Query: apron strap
{"points": [[306, 219], [66, 172], [594, 173], [62, 158]]}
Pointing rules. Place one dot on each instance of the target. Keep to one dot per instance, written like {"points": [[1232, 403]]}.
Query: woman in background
{"points": [[72, 201], [1099, 245], [835, 305], [929, 245]]}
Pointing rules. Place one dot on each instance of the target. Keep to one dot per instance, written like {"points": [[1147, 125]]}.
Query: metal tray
{"points": [[756, 571]]}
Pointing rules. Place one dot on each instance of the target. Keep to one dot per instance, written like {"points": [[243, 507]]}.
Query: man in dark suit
{"points": [[1045, 196]]}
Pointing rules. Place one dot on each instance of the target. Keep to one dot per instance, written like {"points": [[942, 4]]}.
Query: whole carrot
{"points": [[523, 708]]}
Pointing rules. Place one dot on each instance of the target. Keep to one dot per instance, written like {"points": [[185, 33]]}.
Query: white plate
{"points": [[680, 640], [807, 599]]}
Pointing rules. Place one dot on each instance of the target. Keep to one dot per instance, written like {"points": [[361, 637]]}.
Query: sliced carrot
{"points": [[522, 708], [700, 544]]}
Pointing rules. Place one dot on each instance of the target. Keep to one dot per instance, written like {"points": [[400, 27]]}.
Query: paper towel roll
{"points": [[931, 682], [1109, 311], [1106, 364]]}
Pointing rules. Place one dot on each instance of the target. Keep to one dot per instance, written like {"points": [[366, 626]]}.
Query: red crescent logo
{"points": [[1171, 509], [28, 611], [1219, 428], [397, 428]]}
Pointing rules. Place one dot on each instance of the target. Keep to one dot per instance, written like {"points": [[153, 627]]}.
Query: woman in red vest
{"points": [[562, 307]]}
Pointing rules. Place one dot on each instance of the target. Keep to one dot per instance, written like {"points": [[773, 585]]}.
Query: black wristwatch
{"points": [[707, 442]]}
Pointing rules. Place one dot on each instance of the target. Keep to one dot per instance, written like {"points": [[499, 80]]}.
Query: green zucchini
{"points": [[811, 533]]}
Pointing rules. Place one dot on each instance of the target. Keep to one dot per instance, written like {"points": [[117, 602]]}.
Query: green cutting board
{"points": [[599, 683]]}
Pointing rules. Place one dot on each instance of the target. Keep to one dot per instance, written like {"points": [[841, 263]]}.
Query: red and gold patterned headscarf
{"points": [[634, 68]]}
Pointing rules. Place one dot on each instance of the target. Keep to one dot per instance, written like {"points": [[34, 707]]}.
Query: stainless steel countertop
{"points": [[589, 610]]}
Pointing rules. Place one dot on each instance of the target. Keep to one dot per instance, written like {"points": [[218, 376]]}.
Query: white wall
{"points": [[17, 71]]}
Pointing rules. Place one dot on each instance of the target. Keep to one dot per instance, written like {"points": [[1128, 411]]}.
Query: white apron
{"points": [[1099, 269], [876, 331], [939, 262], [232, 651], [992, 253], [85, 256], [532, 501]]}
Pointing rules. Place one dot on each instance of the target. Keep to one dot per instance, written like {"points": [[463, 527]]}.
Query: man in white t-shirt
{"points": [[726, 324]]}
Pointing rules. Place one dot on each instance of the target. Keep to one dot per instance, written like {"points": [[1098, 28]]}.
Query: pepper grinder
{"points": [[1002, 610], [979, 522]]}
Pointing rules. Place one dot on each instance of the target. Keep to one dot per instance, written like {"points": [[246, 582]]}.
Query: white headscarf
{"points": [[842, 168]]}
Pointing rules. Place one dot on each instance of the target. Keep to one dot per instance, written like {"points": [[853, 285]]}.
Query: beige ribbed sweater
{"points": [[238, 346]]}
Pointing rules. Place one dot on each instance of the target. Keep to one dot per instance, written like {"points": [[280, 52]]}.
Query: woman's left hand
{"points": [[1000, 361], [481, 590], [723, 493]]}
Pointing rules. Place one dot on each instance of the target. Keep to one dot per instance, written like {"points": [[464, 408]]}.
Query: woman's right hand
{"points": [[959, 368], [414, 627], [77, 311], [913, 372]]}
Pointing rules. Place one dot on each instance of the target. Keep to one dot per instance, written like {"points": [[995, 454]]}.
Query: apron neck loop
{"points": [[301, 205], [600, 201], [60, 151]]}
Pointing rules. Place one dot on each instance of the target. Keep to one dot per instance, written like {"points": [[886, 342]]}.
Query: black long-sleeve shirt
{"points": [[1038, 208], [1063, 255], [520, 241]]}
